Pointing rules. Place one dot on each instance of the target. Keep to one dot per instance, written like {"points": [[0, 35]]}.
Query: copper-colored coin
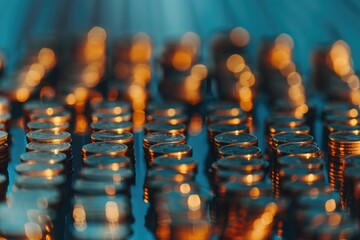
{"points": [[240, 151], [183, 164], [47, 136], [104, 148], [171, 149], [232, 138], [298, 161], [306, 150], [59, 117], [64, 147], [242, 164], [37, 182], [93, 188], [162, 137], [107, 175]]}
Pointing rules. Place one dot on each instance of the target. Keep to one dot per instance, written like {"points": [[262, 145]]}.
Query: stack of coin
{"points": [[178, 150], [4, 151], [5, 115], [161, 137], [153, 127], [230, 118], [118, 127], [126, 138], [52, 142], [340, 145], [218, 128], [244, 139]]}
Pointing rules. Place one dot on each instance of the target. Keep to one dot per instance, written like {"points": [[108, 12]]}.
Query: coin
{"points": [[47, 136], [242, 164], [170, 149], [110, 117], [88, 187], [306, 150], [239, 150], [57, 118], [108, 175], [3, 137], [104, 148], [114, 137]]}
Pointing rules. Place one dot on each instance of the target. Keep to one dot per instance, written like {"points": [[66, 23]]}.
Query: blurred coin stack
{"points": [[4, 161], [318, 215], [101, 205], [335, 74], [182, 214], [167, 112], [51, 142], [170, 175], [233, 75], [5, 115], [340, 145], [182, 76], [278, 71], [46, 115]]}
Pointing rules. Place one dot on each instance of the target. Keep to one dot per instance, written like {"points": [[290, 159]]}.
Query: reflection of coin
{"points": [[183, 164], [298, 149], [32, 182], [352, 160], [93, 188], [298, 161], [108, 148], [43, 157], [40, 125], [47, 136], [39, 169], [107, 175], [242, 164]]}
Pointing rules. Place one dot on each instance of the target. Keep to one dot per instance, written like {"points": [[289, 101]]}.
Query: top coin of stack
{"points": [[4, 113]]}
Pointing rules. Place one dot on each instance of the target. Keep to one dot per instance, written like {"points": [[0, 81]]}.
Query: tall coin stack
{"points": [[340, 145]]}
